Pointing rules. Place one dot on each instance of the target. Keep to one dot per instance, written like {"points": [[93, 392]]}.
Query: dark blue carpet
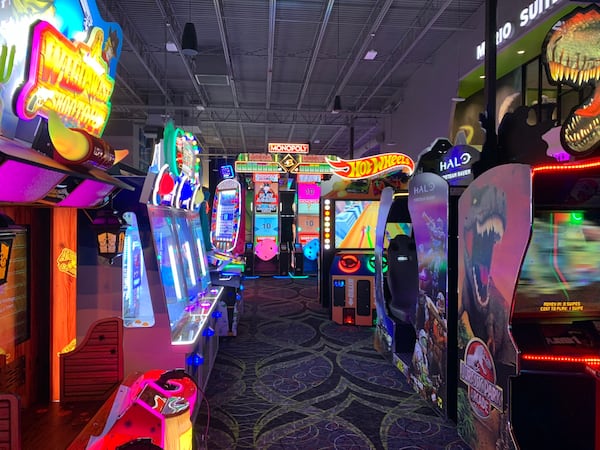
{"points": [[292, 379]]}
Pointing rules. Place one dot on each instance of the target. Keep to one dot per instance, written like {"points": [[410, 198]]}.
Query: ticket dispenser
{"points": [[353, 288]]}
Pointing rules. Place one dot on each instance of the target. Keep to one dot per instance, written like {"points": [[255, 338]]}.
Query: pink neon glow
{"points": [[88, 193], [36, 42], [309, 192], [25, 183]]}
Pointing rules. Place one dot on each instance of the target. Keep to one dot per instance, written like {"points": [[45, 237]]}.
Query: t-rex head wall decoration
{"points": [[571, 54]]}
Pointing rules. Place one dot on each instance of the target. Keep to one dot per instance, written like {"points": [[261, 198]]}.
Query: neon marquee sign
{"points": [[70, 78], [371, 166]]}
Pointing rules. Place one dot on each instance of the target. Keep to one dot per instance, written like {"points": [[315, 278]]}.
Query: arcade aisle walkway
{"points": [[292, 379]]}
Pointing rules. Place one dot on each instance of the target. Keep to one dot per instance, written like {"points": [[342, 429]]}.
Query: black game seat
{"points": [[403, 278]]}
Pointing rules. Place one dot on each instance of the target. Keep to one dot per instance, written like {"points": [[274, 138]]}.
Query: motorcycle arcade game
{"points": [[555, 320]]}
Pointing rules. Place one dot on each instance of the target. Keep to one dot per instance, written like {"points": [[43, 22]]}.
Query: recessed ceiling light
{"points": [[458, 99], [520, 52], [370, 55], [171, 46], [482, 76]]}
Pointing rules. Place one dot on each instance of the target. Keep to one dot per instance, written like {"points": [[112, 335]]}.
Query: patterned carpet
{"points": [[292, 379]]}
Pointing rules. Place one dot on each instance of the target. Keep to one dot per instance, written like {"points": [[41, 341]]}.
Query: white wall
{"points": [[427, 108]]}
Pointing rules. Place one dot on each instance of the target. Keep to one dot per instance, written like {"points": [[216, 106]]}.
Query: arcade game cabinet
{"points": [[417, 296], [307, 244], [493, 230], [264, 254], [161, 287], [352, 271], [555, 320], [396, 277], [226, 223], [227, 266], [153, 410], [350, 205]]}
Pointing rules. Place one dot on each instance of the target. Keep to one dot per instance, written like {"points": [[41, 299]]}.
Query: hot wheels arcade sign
{"points": [[371, 166]]}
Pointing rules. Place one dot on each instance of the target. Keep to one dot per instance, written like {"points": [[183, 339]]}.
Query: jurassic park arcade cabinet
{"points": [[58, 66], [350, 204]]}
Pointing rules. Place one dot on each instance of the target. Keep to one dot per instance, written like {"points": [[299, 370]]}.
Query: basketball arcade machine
{"points": [[350, 203]]}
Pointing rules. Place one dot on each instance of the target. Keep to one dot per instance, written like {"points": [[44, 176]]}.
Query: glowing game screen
{"points": [[355, 222], [170, 262], [393, 229], [137, 305], [188, 252], [198, 237], [266, 226], [308, 198], [226, 215], [560, 275]]}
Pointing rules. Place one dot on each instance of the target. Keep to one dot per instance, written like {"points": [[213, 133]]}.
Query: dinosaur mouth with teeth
{"points": [[484, 227], [480, 245], [572, 53]]}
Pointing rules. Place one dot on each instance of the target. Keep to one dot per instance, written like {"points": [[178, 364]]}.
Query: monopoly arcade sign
{"points": [[61, 59], [372, 166]]}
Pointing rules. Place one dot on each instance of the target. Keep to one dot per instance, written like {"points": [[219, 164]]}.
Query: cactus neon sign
{"points": [[68, 78]]}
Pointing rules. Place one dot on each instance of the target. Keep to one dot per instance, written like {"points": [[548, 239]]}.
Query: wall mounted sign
{"points": [[288, 148], [371, 166], [529, 15], [61, 58]]}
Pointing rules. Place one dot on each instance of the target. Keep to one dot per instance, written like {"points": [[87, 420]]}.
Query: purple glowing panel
{"points": [[24, 183], [88, 193]]}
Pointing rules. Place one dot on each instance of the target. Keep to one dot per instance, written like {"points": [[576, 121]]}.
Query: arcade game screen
{"points": [[393, 229], [560, 275], [355, 223], [137, 305], [226, 215], [198, 237], [188, 252], [170, 262]]}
